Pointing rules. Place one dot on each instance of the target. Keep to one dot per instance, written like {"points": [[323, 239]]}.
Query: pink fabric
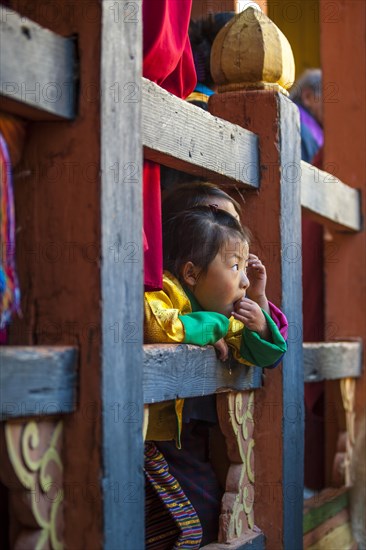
{"points": [[279, 318], [168, 61]]}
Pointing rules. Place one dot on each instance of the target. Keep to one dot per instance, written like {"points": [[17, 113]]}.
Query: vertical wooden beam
{"points": [[57, 200], [122, 286], [293, 370], [274, 218]]}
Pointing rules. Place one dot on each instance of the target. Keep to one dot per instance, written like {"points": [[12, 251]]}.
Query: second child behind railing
{"points": [[206, 254]]}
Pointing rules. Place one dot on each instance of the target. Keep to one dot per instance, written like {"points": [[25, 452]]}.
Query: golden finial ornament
{"points": [[250, 52]]}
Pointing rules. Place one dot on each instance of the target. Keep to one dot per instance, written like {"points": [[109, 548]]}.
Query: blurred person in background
{"points": [[307, 94]]}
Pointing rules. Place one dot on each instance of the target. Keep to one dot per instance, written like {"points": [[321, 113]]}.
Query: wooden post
{"points": [[274, 217], [344, 156], [121, 271], [57, 198]]}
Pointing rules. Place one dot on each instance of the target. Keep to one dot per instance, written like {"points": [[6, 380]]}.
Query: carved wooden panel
{"points": [[346, 440], [235, 411], [31, 467]]}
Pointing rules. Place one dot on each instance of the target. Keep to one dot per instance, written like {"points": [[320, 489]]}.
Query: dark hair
{"points": [[197, 235], [202, 33], [184, 197]]}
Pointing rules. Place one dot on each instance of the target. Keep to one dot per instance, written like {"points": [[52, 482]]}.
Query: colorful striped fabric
{"points": [[9, 288], [171, 520]]}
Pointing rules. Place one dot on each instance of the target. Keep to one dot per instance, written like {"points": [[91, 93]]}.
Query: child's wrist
{"points": [[264, 331]]}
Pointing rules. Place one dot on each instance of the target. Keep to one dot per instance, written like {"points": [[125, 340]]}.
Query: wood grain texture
{"points": [[37, 380], [344, 149], [33, 471], [247, 542], [332, 201], [236, 417], [339, 538], [319, 532], [293, 377], [185, 370], [323, 506], [274, 219], [122, 282], [43, 79], [332, 360], [185, 137]]}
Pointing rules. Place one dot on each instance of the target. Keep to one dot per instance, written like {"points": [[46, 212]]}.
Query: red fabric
{"points": [[168, 61], [313, 299]]}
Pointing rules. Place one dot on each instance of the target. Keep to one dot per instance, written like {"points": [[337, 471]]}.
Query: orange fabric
{"points": [[13, 130]]}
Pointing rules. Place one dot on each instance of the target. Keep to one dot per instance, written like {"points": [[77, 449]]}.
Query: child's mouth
{"points": [[237, 302]]}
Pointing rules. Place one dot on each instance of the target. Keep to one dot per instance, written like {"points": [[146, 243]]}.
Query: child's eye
{"points": [[235, 267]]}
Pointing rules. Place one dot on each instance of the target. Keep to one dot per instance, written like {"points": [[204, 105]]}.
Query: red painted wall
{"points": [[343, 52]]}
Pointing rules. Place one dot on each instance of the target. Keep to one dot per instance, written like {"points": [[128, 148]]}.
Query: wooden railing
{"points": [[37, 381], [331, 201], [184, 370], [214, 148], [38, 387], [332, 360], [39, 70], [202, 147], [184, 137], [178, 134]]}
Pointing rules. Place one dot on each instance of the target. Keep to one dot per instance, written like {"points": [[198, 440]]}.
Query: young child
{"points": [[207, 255]]}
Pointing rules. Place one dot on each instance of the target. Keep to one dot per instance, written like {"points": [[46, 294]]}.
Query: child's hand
{"points": [[258, 279], [249, 312], [222, 348]]}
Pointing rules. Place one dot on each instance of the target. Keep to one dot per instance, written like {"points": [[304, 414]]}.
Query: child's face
{"points": [[225, 281]]}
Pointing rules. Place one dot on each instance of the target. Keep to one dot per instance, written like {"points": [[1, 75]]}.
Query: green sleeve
{"points": [[261, 352], [204, 327]]}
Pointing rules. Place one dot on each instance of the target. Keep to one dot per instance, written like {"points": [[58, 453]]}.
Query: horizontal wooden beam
{"points": [[323, 506], [172, 370], [330, 200], [38, 69], [185, 137], [37, 380], [332, 360], [250, 541]]}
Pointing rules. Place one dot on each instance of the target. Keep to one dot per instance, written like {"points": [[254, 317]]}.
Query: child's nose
{"points": [[244, 281]]}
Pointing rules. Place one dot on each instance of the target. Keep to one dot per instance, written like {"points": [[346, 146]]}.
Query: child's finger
{"points": [[255, 263], [247, 313], [222, 349], [246, 303]]}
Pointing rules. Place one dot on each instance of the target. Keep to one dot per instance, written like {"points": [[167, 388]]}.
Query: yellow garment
{"points": [[162, 325], [162, 307], [198, 96]]}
